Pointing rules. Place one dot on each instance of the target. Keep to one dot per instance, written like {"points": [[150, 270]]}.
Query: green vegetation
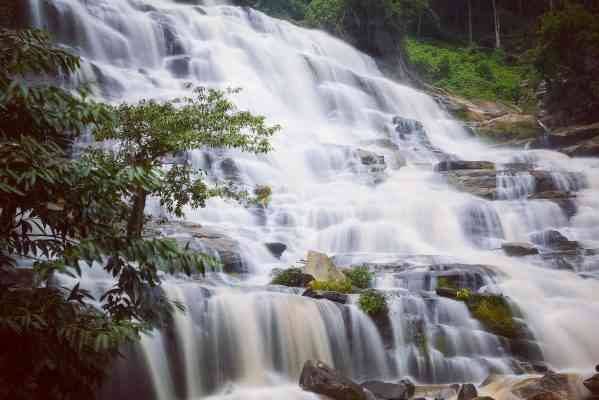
{"points": [[60, 214], [292, 277], [372, 302], [446, 283], [360, 277], [469, 72], [340, 286], [149, 131], [493, 311]]}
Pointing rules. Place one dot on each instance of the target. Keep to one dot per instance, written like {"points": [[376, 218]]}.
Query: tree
{"points": [[497, 25], [147, 132], [58, 214]]}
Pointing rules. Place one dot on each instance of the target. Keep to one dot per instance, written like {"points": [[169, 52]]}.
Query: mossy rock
{"points": [[494, 313], [292, 277]]}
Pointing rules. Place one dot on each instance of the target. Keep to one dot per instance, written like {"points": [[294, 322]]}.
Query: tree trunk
{"points": [[136, 219], [419, 25], [470, 36], [497, 26]]}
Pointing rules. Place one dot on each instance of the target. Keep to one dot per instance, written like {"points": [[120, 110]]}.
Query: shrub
{"points": [[340, 286], [360, 277], [372, 302], [292, 277]]}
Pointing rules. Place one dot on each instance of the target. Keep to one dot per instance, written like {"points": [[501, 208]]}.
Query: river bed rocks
{"points": [[319, 378], [467, 392], [403, 390]]}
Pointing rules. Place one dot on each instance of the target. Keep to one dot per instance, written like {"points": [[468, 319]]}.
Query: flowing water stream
{"points": [[241, 339]]}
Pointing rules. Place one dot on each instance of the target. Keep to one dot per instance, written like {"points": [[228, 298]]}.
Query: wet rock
{"points": [[592, 384], [322, 267], [375, 163], [446, 166], [319, 378], [407, 125], [202, 239], [588, 148], [391, 391], [526, 349], [481, 183], [335, 297], [510, 127], [467, 392], [515, 249], [573, 135], [554, 240], [549, 387], [565, 200], [276, 248], [179, 66]]}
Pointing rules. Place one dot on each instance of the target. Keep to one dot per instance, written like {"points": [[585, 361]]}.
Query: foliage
{"points": [[291, 277], [339, 286], [294, 9], [567, 37], [364, 21], [54, 347], [446, 283], [463, 294], [469, 72], [147, 132], [360, 277], [263, 195], [61, 214], [372, 302]]}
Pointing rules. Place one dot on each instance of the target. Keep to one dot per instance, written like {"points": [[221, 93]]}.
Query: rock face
{"points": [[276, 249], [467, 392], [515, 249], [481, 183], [391, 391], [572, 136], [446, 166], [321, 267], [205, 240], [319, 378], [510, 127], [336, 297]]}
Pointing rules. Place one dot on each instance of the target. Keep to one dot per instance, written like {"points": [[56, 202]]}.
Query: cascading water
{"points": [[349, 177]]}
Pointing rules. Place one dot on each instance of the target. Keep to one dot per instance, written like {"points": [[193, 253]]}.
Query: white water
{"points": [[331, 100]]}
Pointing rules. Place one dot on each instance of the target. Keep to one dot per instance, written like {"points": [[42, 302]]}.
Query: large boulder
{"points": [[592, 384], [467, 392], [391, 391], [319, 378], [510, 127], [516, 249], [276, 248], [322, 268]]}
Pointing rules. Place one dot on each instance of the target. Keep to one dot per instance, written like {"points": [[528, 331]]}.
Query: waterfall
{"points": [[352, 176]]}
